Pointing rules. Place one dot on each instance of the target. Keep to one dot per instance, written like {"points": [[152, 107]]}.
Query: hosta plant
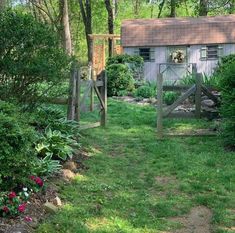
{"points": [[56, 144]]}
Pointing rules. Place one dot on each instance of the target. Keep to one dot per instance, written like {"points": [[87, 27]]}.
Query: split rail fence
{"points": [[196, 89]]}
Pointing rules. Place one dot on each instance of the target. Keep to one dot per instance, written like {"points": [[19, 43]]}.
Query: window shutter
{"points": [[220, 51], [203, 52], [152, 54], [136, 51]]}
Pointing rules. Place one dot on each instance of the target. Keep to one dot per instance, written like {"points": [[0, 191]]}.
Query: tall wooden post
{"points": [[78, 97], [160, 106], [198, 95], [103, 120], [72, 94], [92, 91]]}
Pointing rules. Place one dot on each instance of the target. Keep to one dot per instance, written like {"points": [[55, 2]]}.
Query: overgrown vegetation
{"points": [[145, 91], [170, 97], [226, 75]]}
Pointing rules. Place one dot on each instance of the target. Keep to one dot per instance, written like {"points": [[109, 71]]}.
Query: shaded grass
{"points": [[121, 191]]}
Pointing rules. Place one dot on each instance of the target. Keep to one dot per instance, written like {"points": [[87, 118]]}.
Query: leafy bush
{"points": [[224, 63], [30, 57], [119, 79], [16, 152], [227, 86], [56, 144], [145, 92], [134, 62], [170, 97]]}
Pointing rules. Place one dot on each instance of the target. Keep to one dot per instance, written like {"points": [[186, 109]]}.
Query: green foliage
{"points": [[170, 97], [134, 62], [30, 57], [227, 86], [211, 81], [119, 79], [54, 118], [145, 91], [47, 166], [16, 154], [56, 144]]}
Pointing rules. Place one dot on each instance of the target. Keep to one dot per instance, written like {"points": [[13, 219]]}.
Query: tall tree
{"points": [[87, 21], [203, 7], [173, 8], [110, 10], [65, 32]]}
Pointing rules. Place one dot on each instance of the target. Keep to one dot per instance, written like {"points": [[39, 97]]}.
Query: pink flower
{"points": [[21, 207], [28, 219], [12, 195], [5, 209], [39, 181]]}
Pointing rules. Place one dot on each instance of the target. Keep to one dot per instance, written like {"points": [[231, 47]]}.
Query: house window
{"points": [[146, 53], [211, 52]]}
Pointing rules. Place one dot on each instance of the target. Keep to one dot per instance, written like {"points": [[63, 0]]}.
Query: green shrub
{"points": [[170, 97], [145, 92], [16, 151], [134, 62], [119, 79], [224, 63], [227, 87], [31, 57]]}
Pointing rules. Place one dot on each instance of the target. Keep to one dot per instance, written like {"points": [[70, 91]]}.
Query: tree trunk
{"points": [[110, 11], [65, 32], [203, 8], [173, 9], [87, 21], [232, 7]]}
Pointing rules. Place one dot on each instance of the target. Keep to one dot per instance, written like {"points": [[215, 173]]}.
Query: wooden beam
{"points": [[176, 88], [206, 91], [180, 100], [159, 106], [198, 95], [104, 36]]}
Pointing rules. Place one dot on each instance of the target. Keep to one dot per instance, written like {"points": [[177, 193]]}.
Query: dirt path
{"points": [[197, 221]]}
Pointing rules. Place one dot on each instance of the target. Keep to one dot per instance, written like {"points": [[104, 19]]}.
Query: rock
{"points": [[67, 174], [50, 208], [208, 103], [70, 165], [57, 201]]}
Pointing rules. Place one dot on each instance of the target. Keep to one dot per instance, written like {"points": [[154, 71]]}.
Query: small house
{"points": [[172, 45]]}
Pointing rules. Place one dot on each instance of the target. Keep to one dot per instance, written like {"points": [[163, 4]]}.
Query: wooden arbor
{"points": [[196, 89], [100, 49]]}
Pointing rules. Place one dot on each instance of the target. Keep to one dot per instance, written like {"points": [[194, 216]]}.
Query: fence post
{"points": [[72, 93], [159, 106], [198, 95], [78, 96], [103, 120], [92, 90]]}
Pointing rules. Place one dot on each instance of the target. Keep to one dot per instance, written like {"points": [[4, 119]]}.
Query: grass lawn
{"points": [[136, 183]]}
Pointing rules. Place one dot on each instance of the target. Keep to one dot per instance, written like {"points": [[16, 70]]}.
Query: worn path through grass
{"points": [[137, 184]]}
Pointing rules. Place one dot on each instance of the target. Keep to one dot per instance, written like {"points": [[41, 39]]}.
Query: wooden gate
{"points": [[86, 90], [196, 89]]}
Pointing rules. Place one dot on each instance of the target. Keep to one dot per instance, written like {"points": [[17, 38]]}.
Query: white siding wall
{"points": [[151, 69]]}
